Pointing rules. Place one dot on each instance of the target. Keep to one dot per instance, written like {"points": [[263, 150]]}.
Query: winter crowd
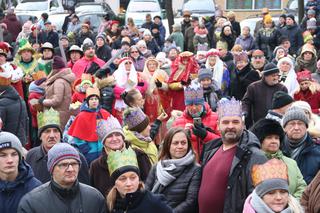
{"points": [[210, 119]]}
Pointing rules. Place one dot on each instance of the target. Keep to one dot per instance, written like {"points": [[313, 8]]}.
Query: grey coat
{"points": [[182, 193], [239, 185], [45, 199]]}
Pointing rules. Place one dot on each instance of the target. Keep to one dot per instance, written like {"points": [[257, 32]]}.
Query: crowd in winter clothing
{"points": [[212, 118]]}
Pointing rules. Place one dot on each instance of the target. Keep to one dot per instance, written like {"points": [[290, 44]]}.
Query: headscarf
{"points": [[218, 68], [291, 80]]}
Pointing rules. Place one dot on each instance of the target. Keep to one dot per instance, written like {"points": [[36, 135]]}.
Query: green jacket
{"points": [[147, 147], [296, 182], [45, 65]]}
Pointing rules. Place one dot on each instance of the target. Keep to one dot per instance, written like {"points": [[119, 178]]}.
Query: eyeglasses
{"points": [[134, 52], [128, 63], [257, 57], [65, 166]]}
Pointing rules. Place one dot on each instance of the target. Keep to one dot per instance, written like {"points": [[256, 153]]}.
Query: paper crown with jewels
{"points": [[230, 107], [48, 118], [193, 94], [272, 169], [122, 161]]}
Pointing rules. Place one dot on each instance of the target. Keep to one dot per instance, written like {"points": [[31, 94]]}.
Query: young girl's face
{"points": [[206, 82], [139, 101]]}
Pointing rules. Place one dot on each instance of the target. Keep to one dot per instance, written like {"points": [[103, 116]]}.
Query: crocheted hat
{"points": [[107, 127], [304, 75], [135, 119]]}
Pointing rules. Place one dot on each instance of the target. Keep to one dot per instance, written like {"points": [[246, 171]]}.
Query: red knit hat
{"points": [[4, 49], [58, 63], [304, 75]]}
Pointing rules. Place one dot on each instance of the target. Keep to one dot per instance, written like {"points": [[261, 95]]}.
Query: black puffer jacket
{"points": [[181, 194], [104, 52], [13, 113], [240, 185], [106, 86], [267, 40]]}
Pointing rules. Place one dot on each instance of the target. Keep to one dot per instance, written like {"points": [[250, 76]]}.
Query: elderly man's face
{"points": [[295, 130], [272, 79], [50, 137]]}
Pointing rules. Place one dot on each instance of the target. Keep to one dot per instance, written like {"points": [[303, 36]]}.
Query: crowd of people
{"points": [[210, 119]]}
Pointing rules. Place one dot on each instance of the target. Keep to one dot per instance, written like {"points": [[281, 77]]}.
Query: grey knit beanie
{"points": [[9, 140], [59, 152], [295, 113], [270, 185], [204, 73]]}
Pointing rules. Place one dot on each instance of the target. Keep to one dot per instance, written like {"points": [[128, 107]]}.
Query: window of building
{"points": [[253, 4]]}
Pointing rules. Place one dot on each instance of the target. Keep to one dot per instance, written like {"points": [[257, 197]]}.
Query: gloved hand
{"points": [[158, 83], [141, 84], [41, 100], [186, 83], [200, 131], [93, 68]]}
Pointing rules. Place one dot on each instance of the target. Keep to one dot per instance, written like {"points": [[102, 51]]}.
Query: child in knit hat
{"points": [[137, 132], [80, 90], [211, 91], [200, 37]]}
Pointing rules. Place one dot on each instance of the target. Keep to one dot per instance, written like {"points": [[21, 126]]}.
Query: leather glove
{"points": [[158, 83], [141, 84], [93, 68], [200, 131]]}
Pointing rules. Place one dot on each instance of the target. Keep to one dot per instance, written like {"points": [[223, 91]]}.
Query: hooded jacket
{"points": [[13, 113], [12, 192], [58, 93], [240, 184]]}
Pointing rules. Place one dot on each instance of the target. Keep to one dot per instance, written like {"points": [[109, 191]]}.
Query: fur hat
{"points": [[265, 127]]}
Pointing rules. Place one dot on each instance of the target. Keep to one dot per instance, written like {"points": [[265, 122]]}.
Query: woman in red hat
{"points": [[309, 91]]}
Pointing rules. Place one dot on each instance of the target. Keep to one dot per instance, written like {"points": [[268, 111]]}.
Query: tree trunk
{"points": [[300, 10], [169, 14]]}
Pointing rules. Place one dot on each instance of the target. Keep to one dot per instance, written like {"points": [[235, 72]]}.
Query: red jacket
{"points": [[83, 64], [312, 99], [209, 119]]}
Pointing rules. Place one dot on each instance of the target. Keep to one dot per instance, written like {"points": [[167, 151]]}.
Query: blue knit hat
{"points": [[59, 152]]}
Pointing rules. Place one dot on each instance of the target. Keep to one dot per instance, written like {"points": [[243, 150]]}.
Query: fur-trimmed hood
{"points": [[105, 82]]}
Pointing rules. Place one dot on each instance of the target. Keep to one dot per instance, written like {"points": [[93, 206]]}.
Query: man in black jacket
{"points": [[63, 193], [13, 111], [50, 134], [227, 163]]}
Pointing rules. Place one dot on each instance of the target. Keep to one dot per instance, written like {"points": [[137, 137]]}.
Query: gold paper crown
{"points": [[118, 159], [86, 76], [38, 75], [229, 107], [48, 117], [92, 91], [272, 169]]}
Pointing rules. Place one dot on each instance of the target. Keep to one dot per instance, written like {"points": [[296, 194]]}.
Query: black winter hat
{"points": [[281, 99], [291, 16], [265, 127], [270, 69]]}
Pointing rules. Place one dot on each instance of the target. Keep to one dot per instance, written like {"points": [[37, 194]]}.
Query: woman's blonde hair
{"points": [[112, 195]]}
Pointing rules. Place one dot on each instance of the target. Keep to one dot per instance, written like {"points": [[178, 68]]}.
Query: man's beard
{"points": [[257, 65], [231, 136]]}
